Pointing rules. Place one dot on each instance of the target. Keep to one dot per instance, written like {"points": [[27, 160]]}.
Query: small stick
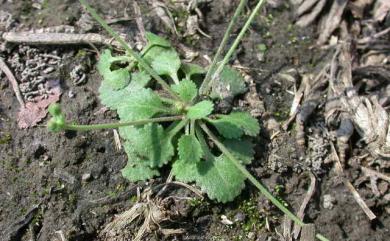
{"points": [[14, 82], [348, 184], [373, 37], [308, 196], [58, 39], [138, 20], [371, 173]]}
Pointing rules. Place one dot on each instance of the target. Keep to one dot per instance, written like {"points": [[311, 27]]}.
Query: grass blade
{"points": [[222, 45]]}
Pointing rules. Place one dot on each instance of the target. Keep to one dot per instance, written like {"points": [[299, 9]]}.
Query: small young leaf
{"points": [[189, 149], [116, 79], [167, 63], [141, 104], [220, 179], [192, 69], [155, 40], [236, 124], [229, 84], [200, 110], [186, 89], [152, 144]]}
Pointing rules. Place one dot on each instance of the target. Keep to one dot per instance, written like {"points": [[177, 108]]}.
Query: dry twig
{"points": [[58, 39], [305, 202], [13, 81], [351, 188]]}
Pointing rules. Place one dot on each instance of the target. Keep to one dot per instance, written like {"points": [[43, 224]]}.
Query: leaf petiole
{"points": [[253, 180], [76, 127]]}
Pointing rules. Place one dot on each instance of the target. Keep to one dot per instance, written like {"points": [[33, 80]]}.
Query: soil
{"points": [[68, 186]]}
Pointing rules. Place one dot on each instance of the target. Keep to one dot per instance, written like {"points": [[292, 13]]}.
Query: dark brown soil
{"points": [[46, 169]]}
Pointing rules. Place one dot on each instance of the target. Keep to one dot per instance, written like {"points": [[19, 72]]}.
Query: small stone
{"points": [[225, 220], [329, 201], [239, 217], [86, 177], [251, 235]]}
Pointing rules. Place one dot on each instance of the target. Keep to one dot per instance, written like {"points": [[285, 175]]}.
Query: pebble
{"points": [[239, 217], [225, 220], [86, 177], [329, 201]]}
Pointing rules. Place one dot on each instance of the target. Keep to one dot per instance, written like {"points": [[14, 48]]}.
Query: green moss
{"points": [[254, 219], [5, 138]]}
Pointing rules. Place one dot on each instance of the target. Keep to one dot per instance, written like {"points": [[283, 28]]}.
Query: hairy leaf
{"points": [[200, 110], [220, 179], [116, 79], [186, 89], [229, 84], [241, 149], [167, 63], [192, 69], [156, 45], [137, 168], [114, 98], [138, 172], [236, 124], [189, 149], [152, 144], [141, 104], [185, 171], [155, 40]]}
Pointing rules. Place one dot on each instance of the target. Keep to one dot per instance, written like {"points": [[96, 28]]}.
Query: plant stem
{"points": [[120, 124], [253, 180], [233, 47], [177, 128], [222, 45], [116, 36]]}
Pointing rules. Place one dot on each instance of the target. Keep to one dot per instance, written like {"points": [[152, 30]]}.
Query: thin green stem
{"points": [[177, 128], [253, 180], [222, 45], [75, 127], [233, 47], [116, 36]]}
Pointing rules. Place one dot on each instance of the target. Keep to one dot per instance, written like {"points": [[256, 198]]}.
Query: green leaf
{"points": [[192, 69], [241, 149], [137, 172], [155, 40], [139, 80], [141, 104], [152, 144], [116, 79], [156, 45], [230, 84], [189, 149], [220, 179], [137, 168], [167, 63], [114, 98], [200, 110], [185, 171], [227, 130], [186, 90], [236, 124]]}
